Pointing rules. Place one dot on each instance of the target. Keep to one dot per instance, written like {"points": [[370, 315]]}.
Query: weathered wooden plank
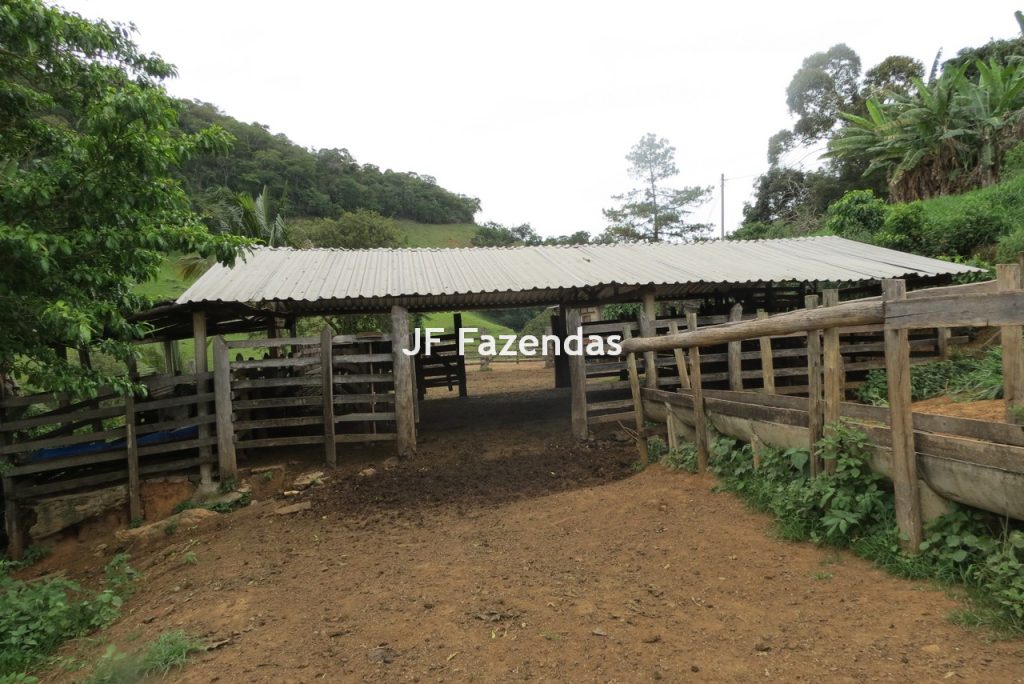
{"points": [[65, 440], [227, 464], [638, 405], [901, 421], [815, 385], [623, 416], [835, 377], [578, 379], [277, 402], [606, 386], [607, 405], [768, 414], [365, 416], [13, 523], [62, 417], [361, 358], [287, 362], [1011, 337], [696, 384], [671, 398], [298, 381], [645, 321], [844, 315], [186, 400], [405, 411], [735, 352], [269, 442], [980, 311], [364, 378], [273, 342], [767, 358], [183, 445], [266, 423], [382, 398], [327, 360], [149, 428], [679, 358], [359, 438]]}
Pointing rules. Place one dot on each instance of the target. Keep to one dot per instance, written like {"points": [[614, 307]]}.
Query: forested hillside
{"points": [[310, 183]]}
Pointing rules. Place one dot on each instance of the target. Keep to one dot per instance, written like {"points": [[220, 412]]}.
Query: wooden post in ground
{"points": [[756, 446], [684, 375], [736, 353], [670, 428], [405, 409], [901, 425], [942, 336], [327, 369], [646, 319], [132, 446], [561, 361], [1008, 277], [835, 376], [638, 402], [460, 360], [700, 419], [202, 387], [12, 515], [227, 464], [577, 378], [767, 360], [815, 409]]}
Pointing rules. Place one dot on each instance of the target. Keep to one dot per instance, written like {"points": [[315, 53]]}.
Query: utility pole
{"points": [[723, 206]]}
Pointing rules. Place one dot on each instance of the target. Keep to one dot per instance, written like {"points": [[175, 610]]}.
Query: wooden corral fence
{"points": [[980, 463], [778, 366], [328, 389]]}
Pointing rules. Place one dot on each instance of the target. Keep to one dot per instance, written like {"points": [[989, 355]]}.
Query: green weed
{"points": [[169, 651]]}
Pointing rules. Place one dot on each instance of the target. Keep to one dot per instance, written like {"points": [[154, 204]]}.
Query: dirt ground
{"points": [[505, 551], [992, 409]]}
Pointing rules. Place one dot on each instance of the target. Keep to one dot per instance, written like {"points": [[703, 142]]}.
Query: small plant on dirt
{"points": [[170, 527], [169, 651], [822, 575], [227, 486], [683, 457], [266, 476], [190, 558], [656, 449], [36, 617]]}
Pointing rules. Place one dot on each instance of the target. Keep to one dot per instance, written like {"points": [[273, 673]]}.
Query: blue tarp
{"points": [[99, 447]]}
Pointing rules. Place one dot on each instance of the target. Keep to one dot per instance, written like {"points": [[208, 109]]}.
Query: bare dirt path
{"points": [[506, 552]]}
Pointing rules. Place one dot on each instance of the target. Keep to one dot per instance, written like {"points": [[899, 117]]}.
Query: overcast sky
{"points": [[532, 106]]}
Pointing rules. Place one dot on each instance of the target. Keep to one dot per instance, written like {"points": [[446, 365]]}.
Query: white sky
{"points": [[532, 106]]}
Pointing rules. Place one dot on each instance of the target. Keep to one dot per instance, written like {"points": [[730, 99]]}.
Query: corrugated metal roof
{"points": [[478, 277]]}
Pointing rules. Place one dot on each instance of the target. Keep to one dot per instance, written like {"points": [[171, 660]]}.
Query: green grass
{"points": [[167, 652], [470, 319], [168, 284], [414, 234]]}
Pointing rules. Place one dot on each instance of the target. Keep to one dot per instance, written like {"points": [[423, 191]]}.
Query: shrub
{"points": [[857, 215], [170, 650], [1010, 246], [903, 228]]}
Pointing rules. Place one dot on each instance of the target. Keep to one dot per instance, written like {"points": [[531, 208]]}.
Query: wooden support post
{"points": [[202, 386], [274, 352], [684, 375], [700, 419], [460, 359], [756, 447], [1008, 277], [327, 369], [736, 352], [815, 408], [901, 424], [577, 379], [132, 446], [670, 428], [405, 411], [645, 320], [170, 363], [835, 376], [767, 359], [638, 402], [942, 336], [561, 361], [13, 523], [226, 461]]}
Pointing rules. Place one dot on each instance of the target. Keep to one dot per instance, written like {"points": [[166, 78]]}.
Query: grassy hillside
{"points": [[415, 234], [470, 319]]}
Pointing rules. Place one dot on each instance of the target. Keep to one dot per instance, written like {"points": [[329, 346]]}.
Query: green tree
{"points": [[654, 212], [360, 229], [493, 234], [88, 146]]}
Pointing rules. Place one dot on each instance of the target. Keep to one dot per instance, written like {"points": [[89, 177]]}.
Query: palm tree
{"points": [[246, 216]]}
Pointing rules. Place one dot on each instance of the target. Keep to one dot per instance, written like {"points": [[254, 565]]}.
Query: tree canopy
{"points": [[89, 145], [311, 183], [654, 212]]}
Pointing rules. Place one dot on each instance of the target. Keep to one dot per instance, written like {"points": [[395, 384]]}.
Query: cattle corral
{"points": [[515, 537]]}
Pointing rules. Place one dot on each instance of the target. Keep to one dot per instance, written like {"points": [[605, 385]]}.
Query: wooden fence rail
{"points": [[975, 462]]}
